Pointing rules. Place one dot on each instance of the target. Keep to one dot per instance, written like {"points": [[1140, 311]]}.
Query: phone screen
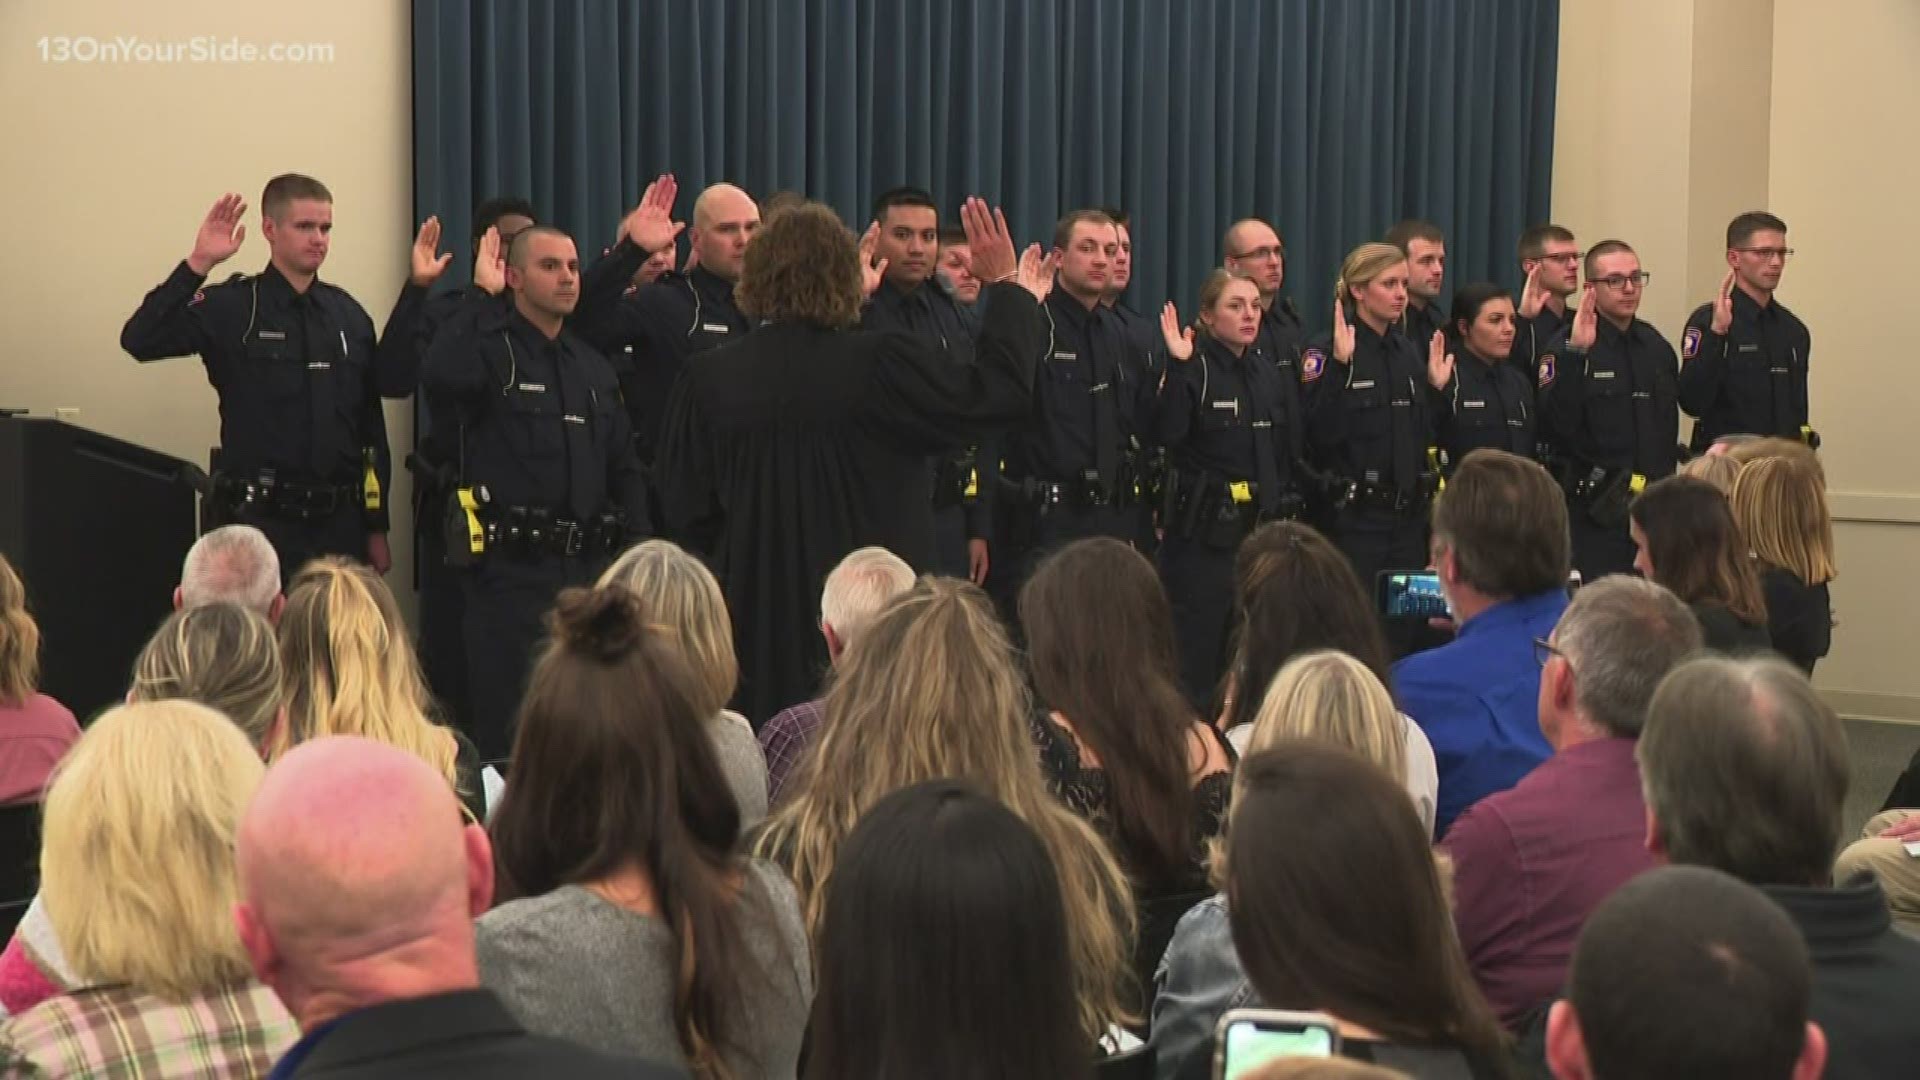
{"points": [[1251, 1045], [1411, 594]]}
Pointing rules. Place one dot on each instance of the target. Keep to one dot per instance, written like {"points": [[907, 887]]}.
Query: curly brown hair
{"points": [[803, 265]]}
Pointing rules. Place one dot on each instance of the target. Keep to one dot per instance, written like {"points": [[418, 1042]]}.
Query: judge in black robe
{"points": [[806, 439]]}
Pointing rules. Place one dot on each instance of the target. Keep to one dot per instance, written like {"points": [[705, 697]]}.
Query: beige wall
{"points": [[110, 167], [1711, 107]]}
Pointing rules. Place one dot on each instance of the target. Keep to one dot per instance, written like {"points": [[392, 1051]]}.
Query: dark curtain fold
{"points": [[1331, 118]]}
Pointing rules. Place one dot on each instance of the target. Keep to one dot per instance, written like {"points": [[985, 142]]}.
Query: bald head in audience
{"points": [[234, 564], [359, 882]]}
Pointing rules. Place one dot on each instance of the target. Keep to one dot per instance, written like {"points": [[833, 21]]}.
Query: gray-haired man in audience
{"points": [[1746, 771], [234, 564], [857, 590]]}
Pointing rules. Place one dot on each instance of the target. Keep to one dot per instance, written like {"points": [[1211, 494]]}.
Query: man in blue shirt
{"points": [[1500, 547]]}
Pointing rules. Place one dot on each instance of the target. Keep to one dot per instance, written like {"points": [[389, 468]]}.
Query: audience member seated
{"points": [[1337, 907], [1331, 697], [1500, 547], [865, 582], [349, 669], [1684, 974], [1781, 506], [1745, 451], [681, 593], [35, 730], [359, 886], [1716, 469], [630, 926], [1315, 1068], [222, 656], [1531, 863], [1297, 593], [233, 564], [1119, 743], [1686, 540], [1746, 771], [978, 981], [930, 691], [1322, 696], [138, 874], [1881, 852]]}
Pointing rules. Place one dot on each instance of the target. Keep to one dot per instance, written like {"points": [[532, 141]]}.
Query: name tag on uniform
{"points": [[714, 328], [1643, 395], [1601, 374], [1066, 356], [273, 335], [1749, 348], [1233, 405], [318, 365], [1779, 370], [572, 419], [1364, 384], [1473, 404], [533, 388]]}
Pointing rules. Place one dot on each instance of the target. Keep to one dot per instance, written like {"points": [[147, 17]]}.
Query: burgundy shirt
{"points": [[34, 736], [1531, 863]]}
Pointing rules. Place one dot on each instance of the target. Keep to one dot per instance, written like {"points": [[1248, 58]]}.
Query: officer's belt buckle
{"points": [[570, 538]]}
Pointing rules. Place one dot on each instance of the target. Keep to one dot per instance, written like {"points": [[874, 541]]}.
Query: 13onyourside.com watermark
{"points": [[200, 49]]}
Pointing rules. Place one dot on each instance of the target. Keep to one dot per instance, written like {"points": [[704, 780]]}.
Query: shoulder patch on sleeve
{"points": [[1547, 368], [1690, 343], [1313, 364]]}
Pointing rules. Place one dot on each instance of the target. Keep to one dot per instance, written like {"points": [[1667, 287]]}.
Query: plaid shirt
{"points": [[785, 740], [120, 1032]]}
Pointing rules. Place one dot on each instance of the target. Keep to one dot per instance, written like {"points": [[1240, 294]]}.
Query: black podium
{"points": [[97, 528]]}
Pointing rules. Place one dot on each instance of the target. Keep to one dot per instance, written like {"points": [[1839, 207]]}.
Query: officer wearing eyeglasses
{"points": [[1744, 356], [1550, 261], [1608, 390], [1252, 249]]}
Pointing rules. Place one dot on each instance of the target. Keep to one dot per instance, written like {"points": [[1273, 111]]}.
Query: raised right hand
{"points": [[1533, 296], [989, 240], [1343, 340], [1586, 321], [220, 234], [872, 270], [1723, 306], [1179, 341], [489, 269], [651, 226]]}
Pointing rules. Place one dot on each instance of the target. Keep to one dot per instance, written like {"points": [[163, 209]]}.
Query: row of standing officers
{"points": [[545, 389]]}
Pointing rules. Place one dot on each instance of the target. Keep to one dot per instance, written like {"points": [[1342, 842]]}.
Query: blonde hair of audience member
{"points": [[857, 590], [1781, 506], [223, 656], [19, 640], [1720, 470], [681, 593], [348, 667], [234, 564], [1747, 451], [931, 691], [1330, 697], [136, 865]]}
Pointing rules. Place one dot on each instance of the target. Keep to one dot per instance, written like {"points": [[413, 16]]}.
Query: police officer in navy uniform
{"points": [[648, 332], [1370, 423], [903, 240], [1253, 249], [1426, 250], [1072, 470], [1608, 406], [1550, 262], [1147, 356], [1232, 428], [303, 440], [1489, 401], [549, 488], [1743, 358], [417, 316]]}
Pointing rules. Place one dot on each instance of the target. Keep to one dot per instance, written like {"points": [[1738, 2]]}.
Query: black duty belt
{"points": [[265, 492], [533, 532]]}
